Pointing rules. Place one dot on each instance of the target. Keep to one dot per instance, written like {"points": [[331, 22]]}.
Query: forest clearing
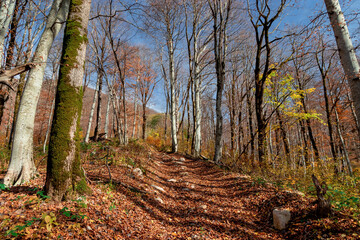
{"points": [[179, 119]]}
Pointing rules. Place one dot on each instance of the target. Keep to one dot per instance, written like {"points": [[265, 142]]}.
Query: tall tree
{"points": [[198, 38], [220, 11], [346, 50], [22, 168], [263, 21], [64, 169], [164, 21], [6, 13]]}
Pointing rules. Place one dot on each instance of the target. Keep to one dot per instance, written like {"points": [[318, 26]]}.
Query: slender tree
{"points": [[22, 168], [6, 13], [220, 11]]}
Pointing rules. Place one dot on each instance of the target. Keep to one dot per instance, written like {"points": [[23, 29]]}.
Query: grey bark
{"points": [[22, 168], [96, 92], [107, 118], [49, 126], [6, 13], [220, 13], [346, 50]]}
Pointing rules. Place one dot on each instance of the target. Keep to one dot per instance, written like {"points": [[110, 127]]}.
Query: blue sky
{"points": [[301, 12]]}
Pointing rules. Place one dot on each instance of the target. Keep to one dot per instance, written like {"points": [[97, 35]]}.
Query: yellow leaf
{"points": [[47, 219]]}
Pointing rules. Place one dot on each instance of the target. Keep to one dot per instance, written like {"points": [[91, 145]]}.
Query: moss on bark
{"points": [[64, 173]]}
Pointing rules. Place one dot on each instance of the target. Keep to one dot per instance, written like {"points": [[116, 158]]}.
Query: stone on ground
{"points": [[281, 218]]}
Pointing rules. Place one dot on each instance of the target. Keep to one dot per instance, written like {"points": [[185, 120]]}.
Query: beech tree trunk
{"points": [[107, 118], [49, 126], [64, 173], [173, 111], [98, 111], [92, 110], [6, 14], [220, 11], [346, 50], [22, 168]]}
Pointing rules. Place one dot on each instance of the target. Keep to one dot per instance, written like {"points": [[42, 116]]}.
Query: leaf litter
{"points": [[205, 203]]}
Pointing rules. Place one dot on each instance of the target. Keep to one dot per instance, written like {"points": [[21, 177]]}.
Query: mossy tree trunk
{"points": [[64, 173]]}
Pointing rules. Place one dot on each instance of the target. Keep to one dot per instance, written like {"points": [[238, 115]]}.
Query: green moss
{"points": [[68, 107]]}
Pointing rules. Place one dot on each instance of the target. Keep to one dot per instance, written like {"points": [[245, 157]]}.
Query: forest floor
{"points": [[154, 195]]}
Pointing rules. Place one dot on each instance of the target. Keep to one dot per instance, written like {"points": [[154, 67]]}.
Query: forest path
{"points": [[163, 196], [193, 199]]}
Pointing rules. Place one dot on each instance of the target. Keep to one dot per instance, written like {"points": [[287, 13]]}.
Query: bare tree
{"points": [[22, 168], [198, 38], [262, 22], [164, 21], [220, 11]]}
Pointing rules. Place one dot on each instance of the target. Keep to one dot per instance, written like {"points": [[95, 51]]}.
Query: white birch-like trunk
{"points": [[6, 14], [197, 90], [49, 125], [125, 114], [346, 50], [22, 168], [116, 107], [173, 115], [135, 108], [96, 92], [107, 118]]}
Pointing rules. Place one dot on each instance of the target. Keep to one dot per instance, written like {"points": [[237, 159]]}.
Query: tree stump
{"points": [[323, 204]]}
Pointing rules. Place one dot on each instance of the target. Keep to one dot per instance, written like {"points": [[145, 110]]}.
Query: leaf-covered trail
{"points": [[197, 200], [163, 196], [191, 199]]}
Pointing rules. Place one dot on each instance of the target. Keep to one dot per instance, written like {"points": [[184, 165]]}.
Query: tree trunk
{"points": [[303, 134], [251, 131], [13, 32], [347, 159], [220, 12], [49, 126], [98, 111], [173, 112], [96, 92], [107, 118], [125, 139], [356, 120], [284, 137], [64, 172], [6, 14], [346, 50], [22, 168], [310, 132], [324, 73], [323, 203], [144, 122], [135, 109], [197, 122]]}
